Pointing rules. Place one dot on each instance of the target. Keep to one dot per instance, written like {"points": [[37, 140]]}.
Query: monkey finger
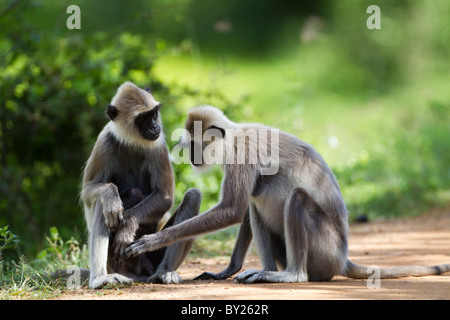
{"points": [[119, 216], [132, 250], [119, 246], [117, 249], [110, 223], [137, 247], [245, 275], [147, 243]]}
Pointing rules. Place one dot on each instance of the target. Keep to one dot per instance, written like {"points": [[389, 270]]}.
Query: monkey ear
{"points": [[112, 112], [222, 130]]}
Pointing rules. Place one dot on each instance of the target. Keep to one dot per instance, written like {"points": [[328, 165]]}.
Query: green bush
{"points": [[409, 174], [32, 279], [53, 93]]}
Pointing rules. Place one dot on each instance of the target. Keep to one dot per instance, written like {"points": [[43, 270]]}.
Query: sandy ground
{"points": [[423, 240]]}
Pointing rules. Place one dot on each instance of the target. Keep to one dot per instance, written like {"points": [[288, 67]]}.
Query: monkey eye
{"points": [[156, 110]]}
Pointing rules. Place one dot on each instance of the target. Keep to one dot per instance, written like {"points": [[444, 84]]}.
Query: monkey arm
{"points": [[150, 209], [212, 220], [96, 187], [93, 191], [236, 189], [243, 241], [108, 196]]}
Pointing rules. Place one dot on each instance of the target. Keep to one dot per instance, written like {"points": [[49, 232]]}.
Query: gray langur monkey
{"points": [[296, 213], [128, 190]]}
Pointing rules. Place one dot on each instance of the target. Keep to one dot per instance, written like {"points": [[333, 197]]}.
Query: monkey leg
{"points": [[315, 247], [262, 240], [176, 253], [98, 253], [241, 246], [326, 235], [296, 241]]}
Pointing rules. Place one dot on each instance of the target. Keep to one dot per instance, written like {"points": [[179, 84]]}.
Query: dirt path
{"points": [[423, 240]]}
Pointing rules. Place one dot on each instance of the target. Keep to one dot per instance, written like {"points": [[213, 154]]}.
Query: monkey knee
{"points": [[188, 208], [193, 194], [166, 204], [192, 198]]}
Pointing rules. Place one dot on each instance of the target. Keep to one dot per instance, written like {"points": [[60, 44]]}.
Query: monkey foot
{"points": [[256, 276], [169, 277], [210, 276], [103, 280]]}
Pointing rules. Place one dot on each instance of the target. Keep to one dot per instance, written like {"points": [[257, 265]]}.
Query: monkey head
{"points": [[204, 136], [134, 114]]}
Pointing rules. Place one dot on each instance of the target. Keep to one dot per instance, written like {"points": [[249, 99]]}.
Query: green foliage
{"points": [[22, 280], [60, 254], [8, 240], [33, 280], [407, 171], [53, 92]]}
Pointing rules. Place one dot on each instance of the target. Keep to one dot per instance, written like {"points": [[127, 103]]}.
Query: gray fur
{"points": [[298, 216], [128, 189]]}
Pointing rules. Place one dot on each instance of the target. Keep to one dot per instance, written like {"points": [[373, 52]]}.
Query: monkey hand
{"points": [[124, 236], [113, 213], [224, 274], [150, 242], [210, 276]]}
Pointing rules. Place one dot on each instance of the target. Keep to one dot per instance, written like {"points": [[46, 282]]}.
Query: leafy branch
{"points": [[8, 240]]}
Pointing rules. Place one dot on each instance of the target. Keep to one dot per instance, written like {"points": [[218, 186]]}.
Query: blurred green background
{"points": [[374, 103]]}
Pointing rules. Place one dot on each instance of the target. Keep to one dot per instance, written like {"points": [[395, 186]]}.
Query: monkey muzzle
{"points": [[147, 123], [151, 132]]}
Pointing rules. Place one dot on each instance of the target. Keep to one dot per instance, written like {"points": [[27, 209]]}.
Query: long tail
{"points": [[360, 272]]}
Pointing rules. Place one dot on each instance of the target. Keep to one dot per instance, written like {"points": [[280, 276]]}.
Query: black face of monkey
{"points": [[197, 147], [196, 154], [147, 123]]}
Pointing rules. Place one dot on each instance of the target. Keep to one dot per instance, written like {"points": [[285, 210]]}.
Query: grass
{"points": [[24, 279]]}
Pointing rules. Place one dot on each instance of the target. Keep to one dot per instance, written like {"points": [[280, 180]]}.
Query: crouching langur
{"points": [[127, 192], [296, 215]]}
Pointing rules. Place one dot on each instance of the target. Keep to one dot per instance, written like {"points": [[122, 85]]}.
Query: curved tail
{"points": [[360, 272]]}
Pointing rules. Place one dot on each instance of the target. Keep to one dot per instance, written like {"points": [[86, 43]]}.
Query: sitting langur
{"points": [[128, 189], [297, 215]]}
